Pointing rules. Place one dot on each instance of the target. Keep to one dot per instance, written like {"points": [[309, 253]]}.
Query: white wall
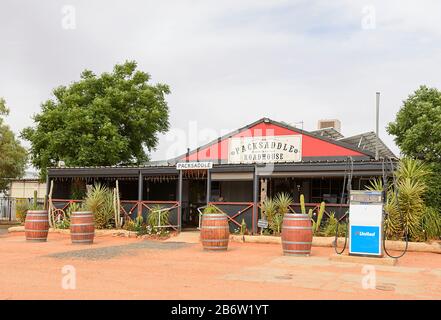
{"points": [[25, 189]]}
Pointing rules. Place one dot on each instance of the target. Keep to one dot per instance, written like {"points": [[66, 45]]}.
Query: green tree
{"points": [[417, 127], [13, 156], [417, 131], [100, 120]]}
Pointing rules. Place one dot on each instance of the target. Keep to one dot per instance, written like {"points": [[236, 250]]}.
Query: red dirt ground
{"points": [[245, 271]]}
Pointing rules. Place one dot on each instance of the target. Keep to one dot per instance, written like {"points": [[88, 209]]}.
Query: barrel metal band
{"points": [[297, 251], [294, 242], [36, 230], [215, 248], [37, 214], [211, 240], [82, 241], [37, 221]]}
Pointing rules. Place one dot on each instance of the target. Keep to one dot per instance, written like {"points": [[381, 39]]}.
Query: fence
{"points": [[236, 211], [129, 209], [132, 208], [7, 209]]}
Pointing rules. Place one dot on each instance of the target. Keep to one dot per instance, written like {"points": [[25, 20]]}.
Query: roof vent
{"points": [[331, 123]]}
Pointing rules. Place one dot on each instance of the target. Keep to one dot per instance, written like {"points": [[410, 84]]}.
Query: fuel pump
{"points": [[366, 215]]}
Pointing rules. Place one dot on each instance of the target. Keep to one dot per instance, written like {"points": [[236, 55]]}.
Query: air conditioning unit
{"points": [[330, 123]]}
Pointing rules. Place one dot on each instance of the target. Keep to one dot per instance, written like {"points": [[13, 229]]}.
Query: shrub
{"points": [[21, 209], [330, 227], [431, 224], [212, 209]]}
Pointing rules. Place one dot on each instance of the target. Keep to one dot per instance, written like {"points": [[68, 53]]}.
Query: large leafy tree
{"points": [[110, 119], [13, 156], [417, 131], [417, 127]]}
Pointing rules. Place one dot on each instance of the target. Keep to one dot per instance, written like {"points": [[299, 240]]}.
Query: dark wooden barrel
{"points": [[36, 225], [215, 232], [297, 235], [82, 227]]}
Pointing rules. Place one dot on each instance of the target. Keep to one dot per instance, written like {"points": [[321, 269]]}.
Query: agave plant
{"points": [[405, 201], [99, 200], [413, 169], [269, 208], [283, 201]]}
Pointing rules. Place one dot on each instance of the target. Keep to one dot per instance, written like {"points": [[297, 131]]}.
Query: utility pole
{"points": [[377, 122]]}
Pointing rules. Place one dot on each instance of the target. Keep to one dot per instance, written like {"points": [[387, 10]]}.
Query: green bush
{"points": [[431, 224], [212, 209], [330, 226], [21, 209]]}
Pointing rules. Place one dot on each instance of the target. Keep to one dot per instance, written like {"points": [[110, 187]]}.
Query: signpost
{"points": [[262, 224]]}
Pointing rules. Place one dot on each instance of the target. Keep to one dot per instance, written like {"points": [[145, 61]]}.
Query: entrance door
{"points": [[197, 197]]}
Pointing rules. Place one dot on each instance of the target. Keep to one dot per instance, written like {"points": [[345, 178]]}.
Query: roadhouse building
{"points": [[237, 171]]}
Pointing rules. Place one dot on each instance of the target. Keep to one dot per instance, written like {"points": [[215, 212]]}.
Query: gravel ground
{"points": [[115, 251], [131, 268]]}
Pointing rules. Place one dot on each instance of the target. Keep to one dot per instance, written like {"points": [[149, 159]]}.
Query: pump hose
{"points": [[385, 214], [347, 184]]}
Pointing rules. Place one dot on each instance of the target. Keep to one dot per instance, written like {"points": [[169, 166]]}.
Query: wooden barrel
{"points": [[297, 235], [215, 232], [82, 227], [36, 225]]}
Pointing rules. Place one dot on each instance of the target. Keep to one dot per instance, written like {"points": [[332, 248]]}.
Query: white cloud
{"points": [[230, 62]]}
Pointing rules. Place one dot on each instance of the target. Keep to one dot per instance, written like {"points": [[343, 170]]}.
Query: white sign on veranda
{"points": [[203, 165], [266, 149]]}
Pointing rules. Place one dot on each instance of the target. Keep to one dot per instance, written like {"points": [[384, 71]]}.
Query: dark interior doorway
{"points": [[194, 197]]}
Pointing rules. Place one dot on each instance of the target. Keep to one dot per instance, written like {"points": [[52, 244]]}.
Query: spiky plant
{"points": [[158, 217], [375, 185], [283, 201], [269, 208], [411, 206], [413, 169], [99, 200], [405, 206]]}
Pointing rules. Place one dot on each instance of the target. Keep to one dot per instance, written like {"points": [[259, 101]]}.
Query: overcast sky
{"points": [[229, 63]]}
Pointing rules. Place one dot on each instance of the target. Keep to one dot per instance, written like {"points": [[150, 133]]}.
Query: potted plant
{"points": [[214, 229]]}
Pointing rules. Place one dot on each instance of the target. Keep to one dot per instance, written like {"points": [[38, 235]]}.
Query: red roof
{"points": [[311, 146]]}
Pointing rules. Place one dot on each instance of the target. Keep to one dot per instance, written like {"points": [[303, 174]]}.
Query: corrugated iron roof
{"points": [[368, 141]]}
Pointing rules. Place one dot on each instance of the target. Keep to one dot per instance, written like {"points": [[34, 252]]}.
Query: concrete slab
{"points": [[186, 236], [385, 261]]}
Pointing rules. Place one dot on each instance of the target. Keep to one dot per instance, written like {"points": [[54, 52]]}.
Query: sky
{"points": [[230, 62]]}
